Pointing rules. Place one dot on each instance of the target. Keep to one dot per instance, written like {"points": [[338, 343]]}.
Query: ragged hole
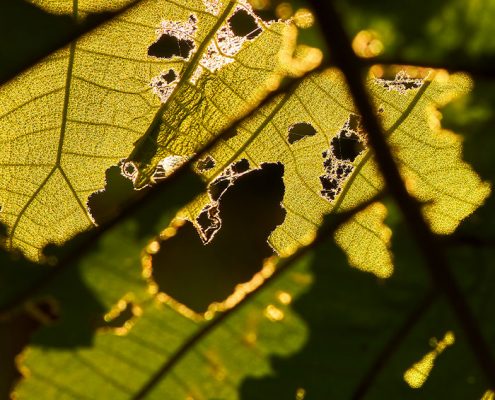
{"points": [[244, 24], [121, 316], [168, 46], [345, 147], [207, 163], [196, 275]]}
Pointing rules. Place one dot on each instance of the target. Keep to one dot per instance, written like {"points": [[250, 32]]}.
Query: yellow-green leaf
{"points": [[69, 118], [430, 158]]}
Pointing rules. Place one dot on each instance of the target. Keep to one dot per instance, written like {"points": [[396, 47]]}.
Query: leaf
{"points": [[141, 348], [366, 333], [429, 157], [221, 79], [167, 352], [89, 102], [22, 21], [94, 254], [85, 285]]}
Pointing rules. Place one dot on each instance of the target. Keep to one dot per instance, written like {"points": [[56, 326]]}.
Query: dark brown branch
{"points": [[431, 249], [85, 27]]}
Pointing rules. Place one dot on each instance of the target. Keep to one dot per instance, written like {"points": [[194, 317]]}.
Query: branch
{"points": [[432, 251], [86, 27], [392, 345]]}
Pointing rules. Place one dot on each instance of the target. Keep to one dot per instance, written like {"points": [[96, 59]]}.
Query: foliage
{"points": [[239, 129]]}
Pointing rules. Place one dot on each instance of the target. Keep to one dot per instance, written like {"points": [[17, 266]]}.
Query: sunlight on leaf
{"points": [[488, 395], [239, 346], [87, 104], [197, 309], [332, 169], [373, 253], [221, 79], [417, 375], [83, 6]]}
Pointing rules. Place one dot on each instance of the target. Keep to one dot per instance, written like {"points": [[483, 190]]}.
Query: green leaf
{"points": [[168, 352], [429, 158], [147, 92], [92, 272], [366, 333], [89, 102], [22, 21]]}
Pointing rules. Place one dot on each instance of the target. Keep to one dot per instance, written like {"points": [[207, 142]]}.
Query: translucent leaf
{"points": [[87, 104], [333, 169], [152, 88]]}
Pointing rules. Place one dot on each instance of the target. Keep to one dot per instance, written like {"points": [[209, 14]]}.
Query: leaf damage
{"points": [[175, 39], [208, 220], [401, 83], [185, 257], [345, 147], [299, 131]]}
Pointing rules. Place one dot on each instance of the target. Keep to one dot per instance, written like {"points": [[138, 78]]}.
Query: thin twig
{"points": [[392, 345], [431, 249]]}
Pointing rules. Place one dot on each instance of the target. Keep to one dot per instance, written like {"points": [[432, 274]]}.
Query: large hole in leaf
{"points": [[244, 24], [197, 275], [300, 131], [168, 46]]}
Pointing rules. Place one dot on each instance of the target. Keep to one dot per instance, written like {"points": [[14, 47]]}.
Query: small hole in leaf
{"points": [[206, 163], [300, 131], [119, 320], [244, 24], [240, 166], [232, 132], [401, 83], [129, 169], [338, 160], [170, 76], [168, 46]]}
